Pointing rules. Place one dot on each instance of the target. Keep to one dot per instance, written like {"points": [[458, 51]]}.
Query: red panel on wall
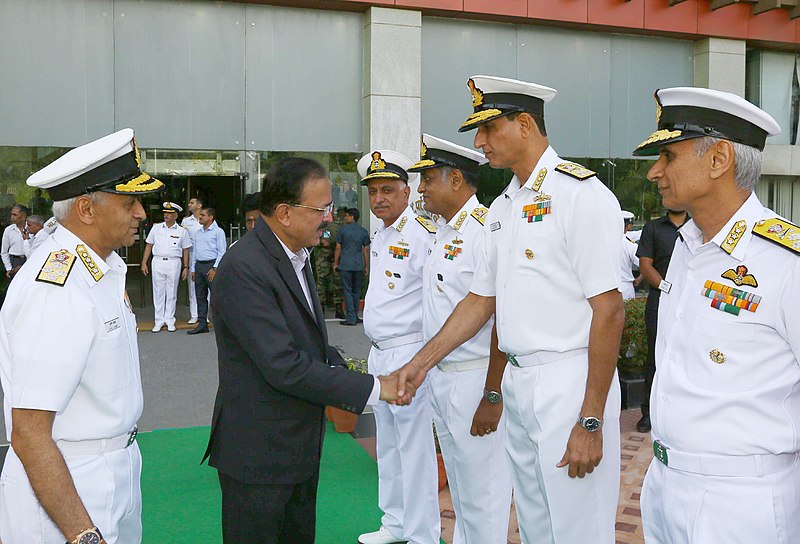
{"points": [[727, 22], [372, 2], [559, 10], [514, 8], [451, 5], [659, 15], [774, 25], [617, 13]]}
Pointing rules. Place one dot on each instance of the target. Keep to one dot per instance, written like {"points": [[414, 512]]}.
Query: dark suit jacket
{"points": [[276, 369]]}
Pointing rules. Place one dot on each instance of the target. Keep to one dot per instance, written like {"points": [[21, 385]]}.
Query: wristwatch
{"points": [[492, 396], [591, 423], [89, 536]]}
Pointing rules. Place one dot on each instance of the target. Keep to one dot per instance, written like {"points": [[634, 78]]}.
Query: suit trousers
{"points": [[651, 324], [166, 275], [477, 466], [268, 514], [408, 491], [108, 485], [542, 404], [202, 288], [685, 508]]}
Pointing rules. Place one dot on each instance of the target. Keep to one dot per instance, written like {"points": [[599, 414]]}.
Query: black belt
{"points": [[167, 258], [206, 262]]}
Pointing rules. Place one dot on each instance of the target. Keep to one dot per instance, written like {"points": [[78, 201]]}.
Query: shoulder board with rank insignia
{"points": [[429, 225], [479, 214], [779, 231], [575, 170], [88, 262], [57, 267]]}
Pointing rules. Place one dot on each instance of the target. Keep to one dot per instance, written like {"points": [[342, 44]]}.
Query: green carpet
{"points": [[181, 498]]}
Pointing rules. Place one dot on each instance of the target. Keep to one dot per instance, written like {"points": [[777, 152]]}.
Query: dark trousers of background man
{"points": [[16, 262], [201, 289], [351, 286], [650, 323]]}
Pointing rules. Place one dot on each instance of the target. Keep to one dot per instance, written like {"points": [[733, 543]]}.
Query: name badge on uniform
{"points": [[112, 325], [494, 226]]}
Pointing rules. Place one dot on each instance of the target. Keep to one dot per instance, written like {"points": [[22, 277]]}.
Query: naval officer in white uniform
{"points": [[69, 361], [169, 244], [467, 402], [725, 404], [407, 473]]}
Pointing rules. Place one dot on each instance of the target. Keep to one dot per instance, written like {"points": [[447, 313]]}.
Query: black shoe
{"points": [[347, 323], [198, 329], [359, 320], [339, 313], [643, 425]]}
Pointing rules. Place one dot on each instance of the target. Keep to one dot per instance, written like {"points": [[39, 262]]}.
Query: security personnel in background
{"points": [[72, 390], [14, 236], [550, 273], [324, 273], [407, 485], [725, 406], [169, 243], [629, 260], [251, 210], [467, 403], [192, 223]]}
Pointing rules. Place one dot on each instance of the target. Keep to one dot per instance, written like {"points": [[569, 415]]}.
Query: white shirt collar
{"points": [[298, 259]]}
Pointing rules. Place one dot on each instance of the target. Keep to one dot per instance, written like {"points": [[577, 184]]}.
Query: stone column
{"points": [[720, 64]]}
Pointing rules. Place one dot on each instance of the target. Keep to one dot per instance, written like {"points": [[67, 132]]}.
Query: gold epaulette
{"points": [[429, 225], [88, 262], [479, 214], [56, 268], [779, 231], [575, 170]]}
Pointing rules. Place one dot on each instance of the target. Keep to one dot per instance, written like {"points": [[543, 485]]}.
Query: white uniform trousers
{"points": [[685, 508], [542, 404], [192, 299], [478, 471], [108, 484], [408, 491], [166, 275]]}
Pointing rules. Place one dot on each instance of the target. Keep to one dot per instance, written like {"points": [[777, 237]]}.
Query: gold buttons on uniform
{"points": [[391, 285], [529, 254], [717, 356], [388, 274]]}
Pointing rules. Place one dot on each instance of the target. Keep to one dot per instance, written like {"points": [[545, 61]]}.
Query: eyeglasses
{"points": [[327, 210]]}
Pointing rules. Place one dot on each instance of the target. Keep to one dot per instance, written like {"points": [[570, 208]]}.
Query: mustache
{"points": [[324, 225]]}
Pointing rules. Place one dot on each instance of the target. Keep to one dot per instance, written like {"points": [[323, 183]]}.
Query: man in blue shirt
{"points": [[351, 261], [209, 247]]}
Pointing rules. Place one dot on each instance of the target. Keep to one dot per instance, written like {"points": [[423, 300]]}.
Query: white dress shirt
{"points": [[543, 271], [729, 384], [13, 244]]}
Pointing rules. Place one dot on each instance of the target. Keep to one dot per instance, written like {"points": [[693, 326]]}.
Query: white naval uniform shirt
{"points": [[543, 272], [192, 225], [393, 305], [457, 249], [168, 241], [629, 262], [729, 384], [12, 244], [72, 349]]}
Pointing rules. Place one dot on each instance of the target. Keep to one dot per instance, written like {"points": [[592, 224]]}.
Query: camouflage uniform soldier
{"points": [[328, 282]]}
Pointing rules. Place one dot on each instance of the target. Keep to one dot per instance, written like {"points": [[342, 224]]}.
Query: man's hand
{"points": [[389, 387], [212, 274], [183, 273], [192, 276], [144, 268], [584, 452], [411, 375], [487, 418]]}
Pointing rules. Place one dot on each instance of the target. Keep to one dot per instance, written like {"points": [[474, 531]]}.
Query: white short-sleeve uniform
{"points": [[542, 272], [168, 245], [407, 473], [726, 395], [477, 466], [191, 224], [629, 262], [71, 349]]}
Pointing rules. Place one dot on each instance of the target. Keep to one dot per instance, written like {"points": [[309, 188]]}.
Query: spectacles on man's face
{"points": [[327, 210]]}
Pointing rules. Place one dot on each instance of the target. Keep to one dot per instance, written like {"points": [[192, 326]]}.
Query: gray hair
{"points": [[36, 219], [747, 159], [63, 208]]}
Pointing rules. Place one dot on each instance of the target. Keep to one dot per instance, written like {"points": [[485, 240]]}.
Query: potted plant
{"points": [[344, 421], [632, 353]]}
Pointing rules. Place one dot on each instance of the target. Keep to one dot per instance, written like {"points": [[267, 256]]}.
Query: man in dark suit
{"points": [[276, 369]]}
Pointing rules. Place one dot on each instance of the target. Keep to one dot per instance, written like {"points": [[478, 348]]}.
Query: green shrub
{"points": [[359, 365], [633, 347]]}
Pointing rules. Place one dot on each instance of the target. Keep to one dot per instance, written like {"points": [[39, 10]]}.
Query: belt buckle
{"points": [[660, 452], [511, 359], [132, 435]]}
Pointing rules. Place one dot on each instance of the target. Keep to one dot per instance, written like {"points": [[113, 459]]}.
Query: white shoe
{"points": [[381, 536], [158, 327], [192, 321], [171, 328]]}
